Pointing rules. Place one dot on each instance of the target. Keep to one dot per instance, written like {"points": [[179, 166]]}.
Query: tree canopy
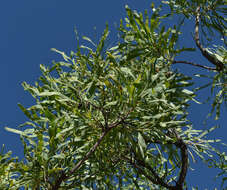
{"points": [[117, 117]]}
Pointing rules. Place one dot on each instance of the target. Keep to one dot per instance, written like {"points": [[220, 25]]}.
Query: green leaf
{"points": [[64, 131], [14, 131], [65, 57], [127, 71], [89, 40], [102, 41], [141, 141], [26, 112], [109, 104], [59, 156], [188, 92], [46, 93], [142, 144]]}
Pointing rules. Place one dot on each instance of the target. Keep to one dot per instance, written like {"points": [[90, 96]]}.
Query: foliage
{"points": [[108, 118]]}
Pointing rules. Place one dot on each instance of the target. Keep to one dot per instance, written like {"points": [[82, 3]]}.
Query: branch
{"points": [[137, 163], [219, 65], [184, 159], [159, 180], [184, 162], [197, 65], [63, 175], [78, 165], [154, 181]]}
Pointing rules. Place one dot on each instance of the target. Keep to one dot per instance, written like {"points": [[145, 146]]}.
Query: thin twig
{"points": [[197, 65]]}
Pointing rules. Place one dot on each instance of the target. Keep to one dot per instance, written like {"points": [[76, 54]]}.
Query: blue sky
{"points": [[29, 29]]}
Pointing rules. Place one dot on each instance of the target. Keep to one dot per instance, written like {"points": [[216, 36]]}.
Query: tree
{"points": [[108, 118]]}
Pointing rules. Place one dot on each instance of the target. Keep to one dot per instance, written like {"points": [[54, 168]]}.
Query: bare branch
{"points": [[219, 65], [197, 65]]}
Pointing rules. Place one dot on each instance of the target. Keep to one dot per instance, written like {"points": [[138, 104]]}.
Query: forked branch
{"points": [[63, 176]]}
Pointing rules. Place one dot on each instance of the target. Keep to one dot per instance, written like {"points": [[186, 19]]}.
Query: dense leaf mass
{"points": [[116, 118]]}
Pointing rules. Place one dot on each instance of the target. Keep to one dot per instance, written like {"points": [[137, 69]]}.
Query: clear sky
{"points": [[29, 29]]}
